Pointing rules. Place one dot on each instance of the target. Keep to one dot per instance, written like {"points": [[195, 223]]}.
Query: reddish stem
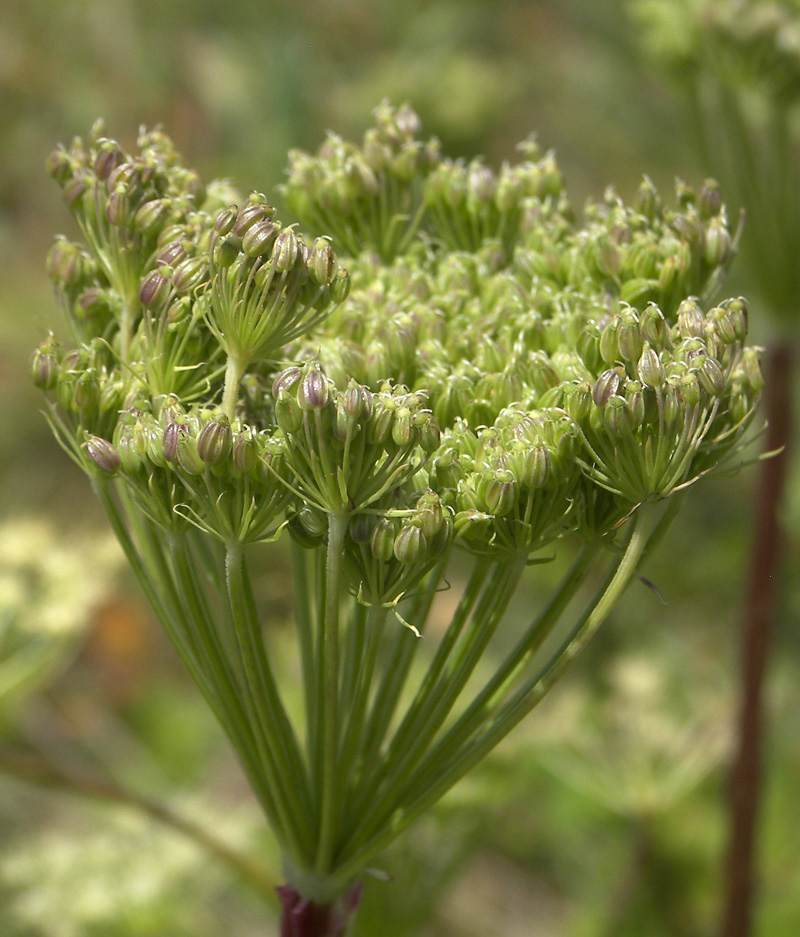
{"points": [[760, 607], [302, 917]]}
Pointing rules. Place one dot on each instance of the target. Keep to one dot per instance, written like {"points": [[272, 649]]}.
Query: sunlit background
{"points": [[606, 812]]}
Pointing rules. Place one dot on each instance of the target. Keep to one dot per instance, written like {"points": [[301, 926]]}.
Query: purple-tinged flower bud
{"points": [[606, 386], [618, 417], [171, 254], [358, 402], [288, 414], [74, 189], [103, 454], [286, 380], [321, 262], [718, 242], [109, 156], [259, 238], [170, 439], [650, 369], [382, 542], [44, 366], [155, 289], [215, 441], [711, 376], [691, 321], [249, 215], [314, 392], [189, 274], [410, 545]]}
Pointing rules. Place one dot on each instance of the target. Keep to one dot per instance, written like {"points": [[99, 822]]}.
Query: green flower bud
{"points": [[752, 369], [629, 336], [151, 217], [730, 321], [402, 427], [718, 243], [118, 208], [410, 545], [244, 454], [654, 327], [321, 262], [58, 166], [689, 388], [428, 431], [711, 376], [74, 190], [577, 400], [340, 286], [225, 220], [609, 346], [647, 201], [382, 542], [650, 369], [215, 441], [429, 514], [690, 320], [103, 454], [285, 251], [618, 417], [709, 200], [471, 524], [288, 414], [86, 393], [360, 528], [498, 493], [66, 263], [187, 456], [226, 251]]}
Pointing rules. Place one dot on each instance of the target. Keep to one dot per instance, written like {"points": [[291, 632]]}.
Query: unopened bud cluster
{"points": [[498, 376]]}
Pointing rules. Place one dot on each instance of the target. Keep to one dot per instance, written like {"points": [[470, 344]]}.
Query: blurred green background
{"points": [[606, 812]]}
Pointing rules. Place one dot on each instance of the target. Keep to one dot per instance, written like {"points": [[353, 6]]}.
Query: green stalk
{"points": [[304, 615], [437, 782], [230, 393], [328, 682], [274, 761]]}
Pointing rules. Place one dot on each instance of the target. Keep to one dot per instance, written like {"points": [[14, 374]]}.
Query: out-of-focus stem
{"points": [[760, 605]]}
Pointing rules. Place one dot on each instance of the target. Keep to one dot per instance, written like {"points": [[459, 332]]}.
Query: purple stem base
{"points": [[302, 917]]}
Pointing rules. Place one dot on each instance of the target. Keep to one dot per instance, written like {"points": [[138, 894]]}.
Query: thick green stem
{"points": [[230, 394]]}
